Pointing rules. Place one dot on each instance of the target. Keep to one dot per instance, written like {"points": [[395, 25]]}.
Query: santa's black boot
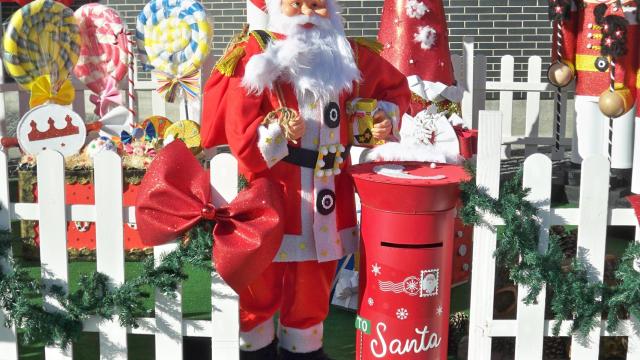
{"points": [[314, 355], [270, 352]]}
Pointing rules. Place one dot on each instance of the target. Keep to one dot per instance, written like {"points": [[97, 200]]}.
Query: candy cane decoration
{"points": [[131, 95], [558, 119], [612, 89]]}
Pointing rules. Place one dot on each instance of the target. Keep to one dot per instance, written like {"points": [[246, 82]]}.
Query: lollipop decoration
{"points": [[41, 45], [103, 58], [173, 39]]}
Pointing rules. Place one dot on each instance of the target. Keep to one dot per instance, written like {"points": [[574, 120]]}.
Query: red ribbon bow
{"points": [[175, 195]]}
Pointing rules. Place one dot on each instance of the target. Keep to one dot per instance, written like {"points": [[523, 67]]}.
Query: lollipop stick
{"points": [[186, 108], [131, 96]]}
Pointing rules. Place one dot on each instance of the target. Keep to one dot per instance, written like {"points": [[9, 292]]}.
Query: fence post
{"points": [[225, 322], [168, 315], [532, 117], [484, 244], [110, 245], [53, 235], [530, 318], [473, 83], [592, 235], [506, 101]]}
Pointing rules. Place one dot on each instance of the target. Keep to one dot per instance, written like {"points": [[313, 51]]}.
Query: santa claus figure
{"points": [[596, 42], [279, 99]]}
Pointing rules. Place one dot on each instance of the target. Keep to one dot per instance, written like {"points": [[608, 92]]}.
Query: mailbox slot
{"points": [[412, 246]]}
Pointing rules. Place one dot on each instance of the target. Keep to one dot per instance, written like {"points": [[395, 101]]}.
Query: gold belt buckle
{"points": [[329, 160]]}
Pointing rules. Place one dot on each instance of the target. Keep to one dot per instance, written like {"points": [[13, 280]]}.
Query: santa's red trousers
{"points": [[300, 290]]}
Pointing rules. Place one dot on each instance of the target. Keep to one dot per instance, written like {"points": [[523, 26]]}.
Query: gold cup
{"points": [[363, 111]]}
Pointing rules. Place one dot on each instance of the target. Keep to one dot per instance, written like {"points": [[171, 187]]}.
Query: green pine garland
{"points": [[20, 296], [574, 296]]}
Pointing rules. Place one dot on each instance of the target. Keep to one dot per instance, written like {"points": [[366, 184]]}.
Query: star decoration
{"points": [[439, 310], [376, 269], [370, 301]]}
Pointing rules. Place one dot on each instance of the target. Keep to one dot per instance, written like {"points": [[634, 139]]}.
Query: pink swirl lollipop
{"points": [[104, 46]]}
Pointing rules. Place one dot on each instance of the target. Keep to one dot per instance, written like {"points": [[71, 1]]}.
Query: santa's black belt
{"points": [[309, 158]]}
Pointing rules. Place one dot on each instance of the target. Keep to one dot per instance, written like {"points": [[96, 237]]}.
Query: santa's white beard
{"points": [[317, 61]]}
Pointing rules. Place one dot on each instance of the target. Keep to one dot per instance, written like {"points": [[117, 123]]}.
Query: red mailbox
{"points": [[408, 214]]}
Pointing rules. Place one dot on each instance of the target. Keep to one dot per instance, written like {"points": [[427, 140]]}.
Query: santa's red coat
{"points": [[232, 116]]}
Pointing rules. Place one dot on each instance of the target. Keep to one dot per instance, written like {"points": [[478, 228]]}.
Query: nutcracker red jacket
{"points": [[233, 116], [581, 44]]}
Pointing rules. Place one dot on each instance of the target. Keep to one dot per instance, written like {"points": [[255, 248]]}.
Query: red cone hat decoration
{"points": [[414, 38]]}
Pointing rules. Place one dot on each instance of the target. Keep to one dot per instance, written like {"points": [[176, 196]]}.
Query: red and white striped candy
{"points": [[104, 46]]}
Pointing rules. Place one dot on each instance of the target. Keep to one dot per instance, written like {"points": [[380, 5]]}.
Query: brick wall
{"points": [[500, 27]]}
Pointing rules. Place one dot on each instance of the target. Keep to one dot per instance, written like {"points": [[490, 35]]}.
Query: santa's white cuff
{"points": [[272, 144], [393, 112], [259, 337], [300, 340]]}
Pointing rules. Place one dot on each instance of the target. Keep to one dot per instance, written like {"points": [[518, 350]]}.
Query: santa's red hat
{"points": [[257, 14], [414, 38]]}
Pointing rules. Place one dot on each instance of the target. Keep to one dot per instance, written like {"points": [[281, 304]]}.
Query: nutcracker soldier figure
{"points": [[279, 99], [596, 42]]}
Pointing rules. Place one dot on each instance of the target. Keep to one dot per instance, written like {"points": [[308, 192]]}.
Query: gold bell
{"points": [[615, 103], [560, 74]]}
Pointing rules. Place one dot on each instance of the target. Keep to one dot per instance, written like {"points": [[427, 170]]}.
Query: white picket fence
{"points": [[592, 218]]}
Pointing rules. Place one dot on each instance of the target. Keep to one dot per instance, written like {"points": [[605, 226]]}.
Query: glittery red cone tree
{"points": [[414, 38]]}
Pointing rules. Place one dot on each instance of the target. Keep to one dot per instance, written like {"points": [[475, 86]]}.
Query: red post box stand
{"points": [[408, 214]]}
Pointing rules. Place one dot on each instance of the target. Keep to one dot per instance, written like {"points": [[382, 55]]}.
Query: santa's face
{"points": [[305, 7]]}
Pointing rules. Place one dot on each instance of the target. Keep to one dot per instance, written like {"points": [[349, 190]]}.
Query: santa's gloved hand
{"points": [[296, 128], [382, 125]]}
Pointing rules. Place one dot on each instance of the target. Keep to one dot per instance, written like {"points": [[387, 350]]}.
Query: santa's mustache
{"points": [[322, 23]]}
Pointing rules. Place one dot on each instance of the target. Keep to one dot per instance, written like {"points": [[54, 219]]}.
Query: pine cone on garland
{"points": [[458, 328], [614, 348], [555, 348], [568, 241]]}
